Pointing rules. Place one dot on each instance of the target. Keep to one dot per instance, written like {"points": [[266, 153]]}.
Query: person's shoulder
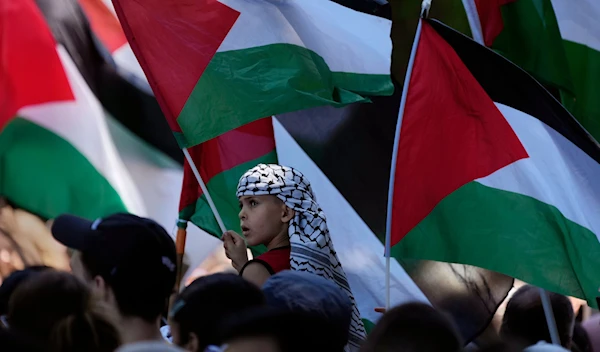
{"points": [[545, 347], [149, 346], [257, 267], [256, 272], [276, 260]]}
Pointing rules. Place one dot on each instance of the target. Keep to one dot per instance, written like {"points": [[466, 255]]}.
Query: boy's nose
{"points": [[242, 214]]}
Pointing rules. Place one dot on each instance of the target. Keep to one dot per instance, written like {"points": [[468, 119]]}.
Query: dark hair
{"points": [[302, 291], [58, 310], [138, 294], [413, 327], [581, 339], [524, 321], [208, 300], [499, 346], [10, 341], [13, 281], [293, 331]]}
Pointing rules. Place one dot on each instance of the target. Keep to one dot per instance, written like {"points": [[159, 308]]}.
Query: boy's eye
{"points": [[253, 203]]}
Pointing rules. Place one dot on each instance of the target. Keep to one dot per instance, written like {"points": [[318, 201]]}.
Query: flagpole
{"points": [[180, 246], [474, 21], [550, 320], [425, 5], [211, 204]]}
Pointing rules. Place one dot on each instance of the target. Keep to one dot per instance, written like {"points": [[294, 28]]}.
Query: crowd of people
{"points": [[119, 294]]}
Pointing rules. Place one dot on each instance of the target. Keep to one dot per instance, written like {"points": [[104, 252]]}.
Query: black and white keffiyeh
{"points": [[311, 246]]}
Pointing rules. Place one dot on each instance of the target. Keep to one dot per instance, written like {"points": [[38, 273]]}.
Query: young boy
{"points": [[278, 209]]}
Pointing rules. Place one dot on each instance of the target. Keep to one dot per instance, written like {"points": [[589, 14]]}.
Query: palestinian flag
{"points": [[126, 97], [56, 154], [217, 65], [105, 25], [507, 178], [221, 162], [339, 139], [557, 41]]}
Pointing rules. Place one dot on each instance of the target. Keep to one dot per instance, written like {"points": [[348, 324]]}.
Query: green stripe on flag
{"points": [[249, 84], [44, 174], [585, 72], [523, 232], [531, 39]]}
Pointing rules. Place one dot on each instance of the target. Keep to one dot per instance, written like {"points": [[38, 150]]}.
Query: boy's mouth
{"points": [[245, 229]]}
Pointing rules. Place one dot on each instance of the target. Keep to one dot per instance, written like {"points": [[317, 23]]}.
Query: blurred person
{"points": [[278, 209], [499, 346], [11, 341], [13, 281], [129, 262], [414, 327], [592, 327], [581, 341], [58, 310], [274, 330], [205, 303], [31, 237], [545, 347], [309, 293], [524, 322]]}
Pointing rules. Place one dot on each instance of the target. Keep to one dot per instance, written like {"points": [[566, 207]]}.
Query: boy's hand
{"points": [[235, 249]]}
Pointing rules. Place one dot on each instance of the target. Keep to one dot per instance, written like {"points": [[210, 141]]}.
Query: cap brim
{"points": [[72, 231]]}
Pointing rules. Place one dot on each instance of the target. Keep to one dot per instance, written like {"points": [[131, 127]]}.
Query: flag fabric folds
{"points": [[221, 162], [505, 180], [557, 41], [217, 65], [56, 153]]}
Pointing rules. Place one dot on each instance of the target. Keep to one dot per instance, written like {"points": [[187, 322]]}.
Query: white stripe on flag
{"points": [[557, 172], [348, 40], [579, 21]]}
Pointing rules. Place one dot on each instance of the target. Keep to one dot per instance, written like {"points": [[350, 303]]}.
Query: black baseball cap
{"points": [[126, 247]]}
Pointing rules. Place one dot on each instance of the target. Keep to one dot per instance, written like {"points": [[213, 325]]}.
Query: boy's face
{"points": [[262, 218]]}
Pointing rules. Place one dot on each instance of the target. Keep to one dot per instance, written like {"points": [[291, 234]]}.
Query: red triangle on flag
{"points": [[490, 18], [184, 34], [217, 155], [452, 133], [104, 24], [30, 70]]}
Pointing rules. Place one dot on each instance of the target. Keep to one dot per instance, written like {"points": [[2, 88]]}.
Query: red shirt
{"points": [[275, 260]]}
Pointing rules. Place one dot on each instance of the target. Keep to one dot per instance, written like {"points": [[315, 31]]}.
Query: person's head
{"points": [[306, 292], [57, 309], [199, 309], [592, 327], [581, 340], [414, 327], [274, 330], [263, 218], [13, 281], [128, 260], [270, 195], [524, 322], [11, 341]]}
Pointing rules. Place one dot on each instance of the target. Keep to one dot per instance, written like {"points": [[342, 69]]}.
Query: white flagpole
{"points": [[550, 317], [211, 204], [388, 231], [474, 22]]}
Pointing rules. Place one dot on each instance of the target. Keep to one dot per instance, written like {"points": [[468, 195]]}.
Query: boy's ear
{"points": [[288, 214]]}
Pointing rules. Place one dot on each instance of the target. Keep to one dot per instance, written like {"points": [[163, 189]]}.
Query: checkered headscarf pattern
{"points": [[312, 249]]}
